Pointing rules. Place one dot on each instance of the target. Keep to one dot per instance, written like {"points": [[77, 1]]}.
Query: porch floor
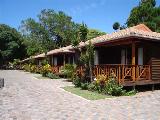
{"points": [[141, 82]]}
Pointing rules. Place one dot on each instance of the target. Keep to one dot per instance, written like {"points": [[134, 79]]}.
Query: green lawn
{"points": [[41, 77], [85, 93]]}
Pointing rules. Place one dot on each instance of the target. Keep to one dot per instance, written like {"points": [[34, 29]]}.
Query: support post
{"points": [[152, 87], [52, 60], [73, 57], [96, 58], [64, 60], [133, 59], [134, 87], [1, 82]]}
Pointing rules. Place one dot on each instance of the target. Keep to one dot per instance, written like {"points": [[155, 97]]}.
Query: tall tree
{"points": [[83, 31], [33, 46], [11, 44], [116, 26], [34, 32], [92, 33], [146, 12], [53, 29]]}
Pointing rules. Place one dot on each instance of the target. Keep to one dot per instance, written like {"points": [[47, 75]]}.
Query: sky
{"points": [[97, 14]]}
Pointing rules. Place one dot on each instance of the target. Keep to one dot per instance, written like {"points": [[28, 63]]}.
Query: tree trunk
{"points": [[90, 69]]}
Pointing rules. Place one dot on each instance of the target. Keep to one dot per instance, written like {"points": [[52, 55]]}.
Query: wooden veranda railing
{"points": [[121, 72]]}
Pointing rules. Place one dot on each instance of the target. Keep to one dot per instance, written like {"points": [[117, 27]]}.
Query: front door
{"points": [[126, 56], [140, 56]]}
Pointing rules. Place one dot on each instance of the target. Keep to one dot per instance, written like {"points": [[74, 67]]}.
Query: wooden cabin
{"points": [[60, 57], [39, 58], [132, 55]]}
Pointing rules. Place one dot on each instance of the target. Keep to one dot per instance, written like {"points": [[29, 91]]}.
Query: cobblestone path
{"points": [[25, 97]]}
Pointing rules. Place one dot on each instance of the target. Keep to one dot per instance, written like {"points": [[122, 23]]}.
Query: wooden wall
{"points": [[152, 57], [155, 69]]}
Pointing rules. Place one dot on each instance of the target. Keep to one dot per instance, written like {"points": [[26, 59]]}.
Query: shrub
{"points": [[105, 85], [52, 76], [92, 87], [84, 86], [77, 81], [45, 70], [33, 68], [99, 83], [69, 70], [38, 69], [113, 88], [26, 67], [130, 93], [101, 80], [15, 64]]}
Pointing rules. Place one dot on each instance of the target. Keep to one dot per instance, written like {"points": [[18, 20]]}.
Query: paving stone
{"points": [[26, 98]]}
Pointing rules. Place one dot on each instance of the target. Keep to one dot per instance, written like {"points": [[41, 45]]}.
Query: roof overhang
{"points": [[60, 52], [126, 40], [39, 56]]}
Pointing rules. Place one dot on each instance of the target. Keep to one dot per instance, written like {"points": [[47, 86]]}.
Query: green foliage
{"points": [[101, 82], [53, 30], [44, 62], [93, 33], [77, 81], [52, 76], [116, 25], [84, 86], [69, 70], [112, 88], [85, 93], [45, 70], [11, 44], [87, 57], [146, 12], [26, 67], [90, 53], [14, 64], [93, 87], [130, 93], [108, 86], [31, 67], [87, 60], [31, 61], [83, 31], [31, 42], [84, 34], [75, 41]]}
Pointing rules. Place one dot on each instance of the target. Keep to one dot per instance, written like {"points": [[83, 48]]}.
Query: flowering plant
{"points": [[46, 69]]}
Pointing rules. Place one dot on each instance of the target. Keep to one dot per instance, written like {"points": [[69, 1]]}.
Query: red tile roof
{"points": [[39, 56], [140, 30], [142, 27], [67, 49]]}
